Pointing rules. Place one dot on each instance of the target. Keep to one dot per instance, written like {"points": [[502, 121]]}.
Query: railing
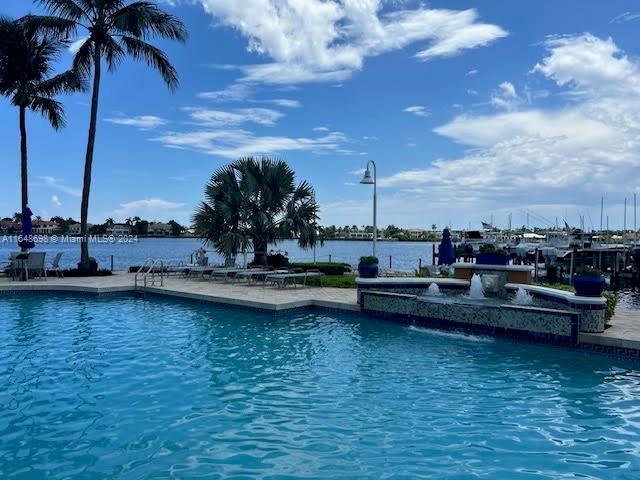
{"points": [[149, 268]]}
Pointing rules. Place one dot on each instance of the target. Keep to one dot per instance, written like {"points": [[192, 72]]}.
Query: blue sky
{"points": [[469, 108]]}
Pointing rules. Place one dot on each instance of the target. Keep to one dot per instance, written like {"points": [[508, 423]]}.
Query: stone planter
{"points": [[368, 270]]}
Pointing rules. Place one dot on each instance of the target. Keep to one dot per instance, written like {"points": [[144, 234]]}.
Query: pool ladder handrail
{"points": [[148, 268]]}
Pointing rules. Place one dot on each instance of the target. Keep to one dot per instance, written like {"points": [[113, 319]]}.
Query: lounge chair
{"points": [[259, 275], [16, 265], [55, 265], [35, 266], [281, 280], [227, 273]]}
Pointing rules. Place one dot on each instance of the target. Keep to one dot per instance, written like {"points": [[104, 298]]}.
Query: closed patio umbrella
{"points": [[26, 240], [446, 251]]}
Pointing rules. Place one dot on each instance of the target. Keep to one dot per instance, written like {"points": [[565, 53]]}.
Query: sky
{"points": [[471, 110]]}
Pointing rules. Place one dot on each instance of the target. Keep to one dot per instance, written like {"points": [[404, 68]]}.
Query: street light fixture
{"points": [[367, 179]]}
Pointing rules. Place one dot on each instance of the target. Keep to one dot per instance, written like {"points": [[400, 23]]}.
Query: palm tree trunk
{"points": [[85, 263], [259, 252], [23, 160]]}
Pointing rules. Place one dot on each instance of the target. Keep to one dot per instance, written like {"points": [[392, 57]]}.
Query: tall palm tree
{"points": [[28, 48], [258, 203], [114, 29]]}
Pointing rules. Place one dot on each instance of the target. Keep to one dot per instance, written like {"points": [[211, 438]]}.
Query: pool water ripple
{"points": [[123, 387]]}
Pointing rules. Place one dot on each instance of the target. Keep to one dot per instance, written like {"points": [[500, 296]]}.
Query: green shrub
{"points": [[610, 306], [493, 250], [328, 268], [589, 270], [370, 260], [333, 281], [277, 260]]}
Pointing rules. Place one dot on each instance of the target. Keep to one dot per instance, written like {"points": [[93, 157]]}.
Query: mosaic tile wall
{"points": [[554, 326]]}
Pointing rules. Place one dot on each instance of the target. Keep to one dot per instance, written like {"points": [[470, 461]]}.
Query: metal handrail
{"points": [[149, 267]]}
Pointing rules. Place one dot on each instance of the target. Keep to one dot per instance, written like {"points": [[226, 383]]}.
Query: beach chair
{"points": [[35, 266], [281, 280], [55, 265], [16, 264], [259, 275]]}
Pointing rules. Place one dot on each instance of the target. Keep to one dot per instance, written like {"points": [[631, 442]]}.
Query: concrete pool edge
{"points": [[616, 344]]}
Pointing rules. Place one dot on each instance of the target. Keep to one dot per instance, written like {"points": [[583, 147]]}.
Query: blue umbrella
{"points": [[26, 240], [446, 251]]}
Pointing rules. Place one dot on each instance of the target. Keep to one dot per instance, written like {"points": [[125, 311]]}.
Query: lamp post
{"points": [[367, 179]]}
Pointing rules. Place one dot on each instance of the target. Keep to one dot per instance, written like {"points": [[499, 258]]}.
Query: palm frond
{"points": [[51, 109], [53, 26], [143, 19], [69, 81], [111, 51], [154, 57], [68, 9], [83, 59]]}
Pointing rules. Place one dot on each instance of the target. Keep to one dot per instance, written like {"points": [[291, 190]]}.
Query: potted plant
{"points": [[368, 267], [589, 282], [492, 255]]}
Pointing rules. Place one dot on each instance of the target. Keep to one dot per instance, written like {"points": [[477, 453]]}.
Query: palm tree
{"points": [[256, 202], [114, 29], [28, 48]]}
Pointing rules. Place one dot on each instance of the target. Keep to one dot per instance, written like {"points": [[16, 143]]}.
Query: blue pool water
{"points": [[127, 388]]}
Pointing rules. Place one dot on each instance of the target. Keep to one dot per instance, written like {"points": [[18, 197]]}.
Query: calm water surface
{"points": [[405, 255], [127, 388]]}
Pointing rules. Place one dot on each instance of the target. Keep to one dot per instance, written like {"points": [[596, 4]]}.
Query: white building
{"points": [[43, 227], [119, 229], [415, 233]]}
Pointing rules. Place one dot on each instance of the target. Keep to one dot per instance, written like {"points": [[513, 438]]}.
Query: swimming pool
{"points": [[123, 387]]}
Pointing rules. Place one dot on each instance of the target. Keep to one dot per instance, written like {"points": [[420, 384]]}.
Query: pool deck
{"points": [[237, 293], [624, 332]]}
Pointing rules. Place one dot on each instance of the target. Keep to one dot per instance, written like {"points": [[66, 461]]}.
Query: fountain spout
{"points": [[476, 292], [523, 297], [434, 290]]}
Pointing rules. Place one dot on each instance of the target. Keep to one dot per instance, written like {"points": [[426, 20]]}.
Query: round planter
{"points": [[588, 285], [492, 259], [368, 270]]}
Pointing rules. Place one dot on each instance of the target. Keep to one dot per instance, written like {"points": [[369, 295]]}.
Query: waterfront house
{"points": [[44, 227], [119, 229], [158, 228], [415, 233], [9, 227]]}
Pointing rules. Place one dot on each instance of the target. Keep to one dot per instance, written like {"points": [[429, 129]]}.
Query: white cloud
{"points": [[564, 154], [55, 200], [233, 93], [283, 102], [506, 96], [75, 46], [156, 208], [237, 143], [218, 118], [625, 17], [321, 129], [57, 184], [417, 110], [472, 72], [327, 40], [143, 122], [589, 63]]}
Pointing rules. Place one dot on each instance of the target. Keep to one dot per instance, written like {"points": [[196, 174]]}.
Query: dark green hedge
{"points": [[328, 268]]}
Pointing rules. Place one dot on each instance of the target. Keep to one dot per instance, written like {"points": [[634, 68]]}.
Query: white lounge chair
{"points": [[281, 280], [259, 275]]}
